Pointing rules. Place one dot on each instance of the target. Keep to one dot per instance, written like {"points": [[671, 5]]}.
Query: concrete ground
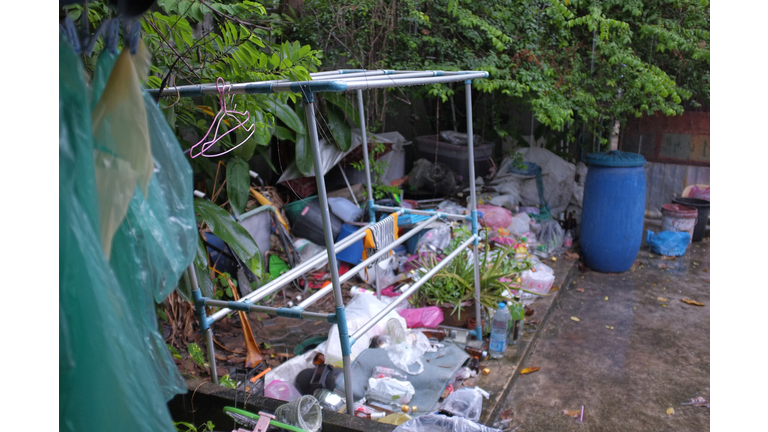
{"points": [[635, 351]]}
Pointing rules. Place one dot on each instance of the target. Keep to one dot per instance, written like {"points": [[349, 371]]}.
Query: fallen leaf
{"points": [[606, 298], [661, 299], [706, 270], [663, 266], [575, 319], [609, 327], [663, 305], [574, 413], [220, 357], [507, 414], [528, 311], [697, 401], [670, 411], [529, 370], [571, 255], [668, 258], [554, 288], [691, 302], [580, 289]]}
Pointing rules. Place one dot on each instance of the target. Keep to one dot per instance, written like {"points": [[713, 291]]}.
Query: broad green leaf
{"points": [[238, 184], [231, 233], [288, 116], [245, 151], [517, 311], [204, 282], [304, 159], [340, 130], [284, 134], [341, 101]]}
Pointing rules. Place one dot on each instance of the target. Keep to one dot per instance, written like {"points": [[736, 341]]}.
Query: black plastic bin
{"points": [[309, 224], [701, 223], [456, 156]]}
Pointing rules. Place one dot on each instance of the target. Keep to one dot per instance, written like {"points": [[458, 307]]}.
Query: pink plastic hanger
{"points": [[217, 119]]}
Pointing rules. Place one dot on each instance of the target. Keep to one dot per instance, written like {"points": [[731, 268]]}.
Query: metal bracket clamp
{"points": [[292, 312], [202, 318]]}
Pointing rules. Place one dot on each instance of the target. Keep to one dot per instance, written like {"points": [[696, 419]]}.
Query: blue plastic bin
{"points": [[354, 253]]}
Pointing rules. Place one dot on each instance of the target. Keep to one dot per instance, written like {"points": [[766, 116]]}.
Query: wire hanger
{"points": [[215, 124]]}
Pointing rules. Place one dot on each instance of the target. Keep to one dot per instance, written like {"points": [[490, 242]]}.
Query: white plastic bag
{"points": [[359, 311], [389, 391], [465, 402], [520, 224], [441, 423], [539, 279], [407, 348], [436, 238]]}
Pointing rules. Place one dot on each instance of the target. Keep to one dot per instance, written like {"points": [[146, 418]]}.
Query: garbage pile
{"points": [[419, 365]]}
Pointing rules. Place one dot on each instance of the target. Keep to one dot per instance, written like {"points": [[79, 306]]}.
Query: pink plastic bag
{"points": [[495, 217], [697, 192], [427, 317]]}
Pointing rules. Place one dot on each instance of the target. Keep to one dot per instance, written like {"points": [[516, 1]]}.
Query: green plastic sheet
{"points": [[115, 371]]}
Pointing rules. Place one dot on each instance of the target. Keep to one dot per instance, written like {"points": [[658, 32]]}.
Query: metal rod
{"points": [[404, 296], [473, 207], [292, 274], [421, 212], [211, 356], [358, 268], [369, 185], [351, 192], [309, 112], [268, 309], [395, 82]]}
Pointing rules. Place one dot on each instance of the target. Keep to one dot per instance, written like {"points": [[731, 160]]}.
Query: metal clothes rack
{"points": [[341, 81]]}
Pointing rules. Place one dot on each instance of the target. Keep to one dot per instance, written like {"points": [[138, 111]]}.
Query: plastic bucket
{"points": [[678, 217], [703, 219]]}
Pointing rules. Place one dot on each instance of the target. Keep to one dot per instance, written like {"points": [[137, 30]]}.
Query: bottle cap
{"points": [[502, 305]]}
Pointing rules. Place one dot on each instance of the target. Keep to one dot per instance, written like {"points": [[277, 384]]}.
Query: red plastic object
{"points": [[426, 317], [680, 211]]}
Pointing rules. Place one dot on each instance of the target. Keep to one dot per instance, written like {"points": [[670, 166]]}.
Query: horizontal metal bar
{"points": [[358, 268], [395, 82], [416, 285], [250, 307], [292, 274], [422, 212]]}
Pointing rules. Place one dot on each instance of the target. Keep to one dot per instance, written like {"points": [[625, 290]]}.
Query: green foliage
{"points": [[378, 168], [188, 427], [232, 233], [238, 184], [196, 354], [648, 56], [227, 381]]}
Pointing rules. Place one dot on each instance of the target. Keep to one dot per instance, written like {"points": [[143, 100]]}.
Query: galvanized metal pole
{"points": [[361, 110], [322, 195], [473, 210], [208, 333]]}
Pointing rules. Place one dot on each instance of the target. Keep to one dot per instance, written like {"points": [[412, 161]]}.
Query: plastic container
{"points": [[281, 390], [292, 210], [355, 290], [455, 156], [703, 218], [678, 218], [304, 412], [613, 211], [354, 253], [499, 331], [309, 224], [568, 239]]}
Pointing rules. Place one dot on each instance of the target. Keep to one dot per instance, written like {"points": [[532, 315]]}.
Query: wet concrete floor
{"points": [[636, 350]]}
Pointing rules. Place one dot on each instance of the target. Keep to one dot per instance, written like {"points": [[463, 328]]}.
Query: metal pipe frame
{"points": [[404, 296], [423, 212], [358, 268], [324, 81], [473, 210]]}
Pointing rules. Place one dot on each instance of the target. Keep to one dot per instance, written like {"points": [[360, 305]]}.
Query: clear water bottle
{"points": [[499, 331]]}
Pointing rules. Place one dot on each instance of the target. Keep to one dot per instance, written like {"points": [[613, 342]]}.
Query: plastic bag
{"points": [[432, 177], [441, 423], [459, 138], [551, 235], [436, 238], [494, 217], [281, 390], [520, 224], [389, 391], [406, 349], [451, 207], [345, 209], [540, 280], [697, 192], [465, 402], [103, 359], [668, 243], [427, 317], [359, 311]]}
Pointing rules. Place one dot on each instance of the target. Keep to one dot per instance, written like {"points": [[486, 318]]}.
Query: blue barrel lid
{"points": [[615, 158]]}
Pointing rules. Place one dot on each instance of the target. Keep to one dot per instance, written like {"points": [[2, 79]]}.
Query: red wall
{"points": [[675, 139]]}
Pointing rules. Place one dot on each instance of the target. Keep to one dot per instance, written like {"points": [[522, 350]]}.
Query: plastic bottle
{"points": [[355, 290], [499, 331], [568, 239]]}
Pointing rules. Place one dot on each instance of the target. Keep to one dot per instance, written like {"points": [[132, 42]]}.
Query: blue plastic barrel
{"points": [[613, 211]]}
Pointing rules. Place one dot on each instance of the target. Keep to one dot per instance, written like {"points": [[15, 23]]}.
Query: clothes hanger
{"points": [[232, 114]]}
